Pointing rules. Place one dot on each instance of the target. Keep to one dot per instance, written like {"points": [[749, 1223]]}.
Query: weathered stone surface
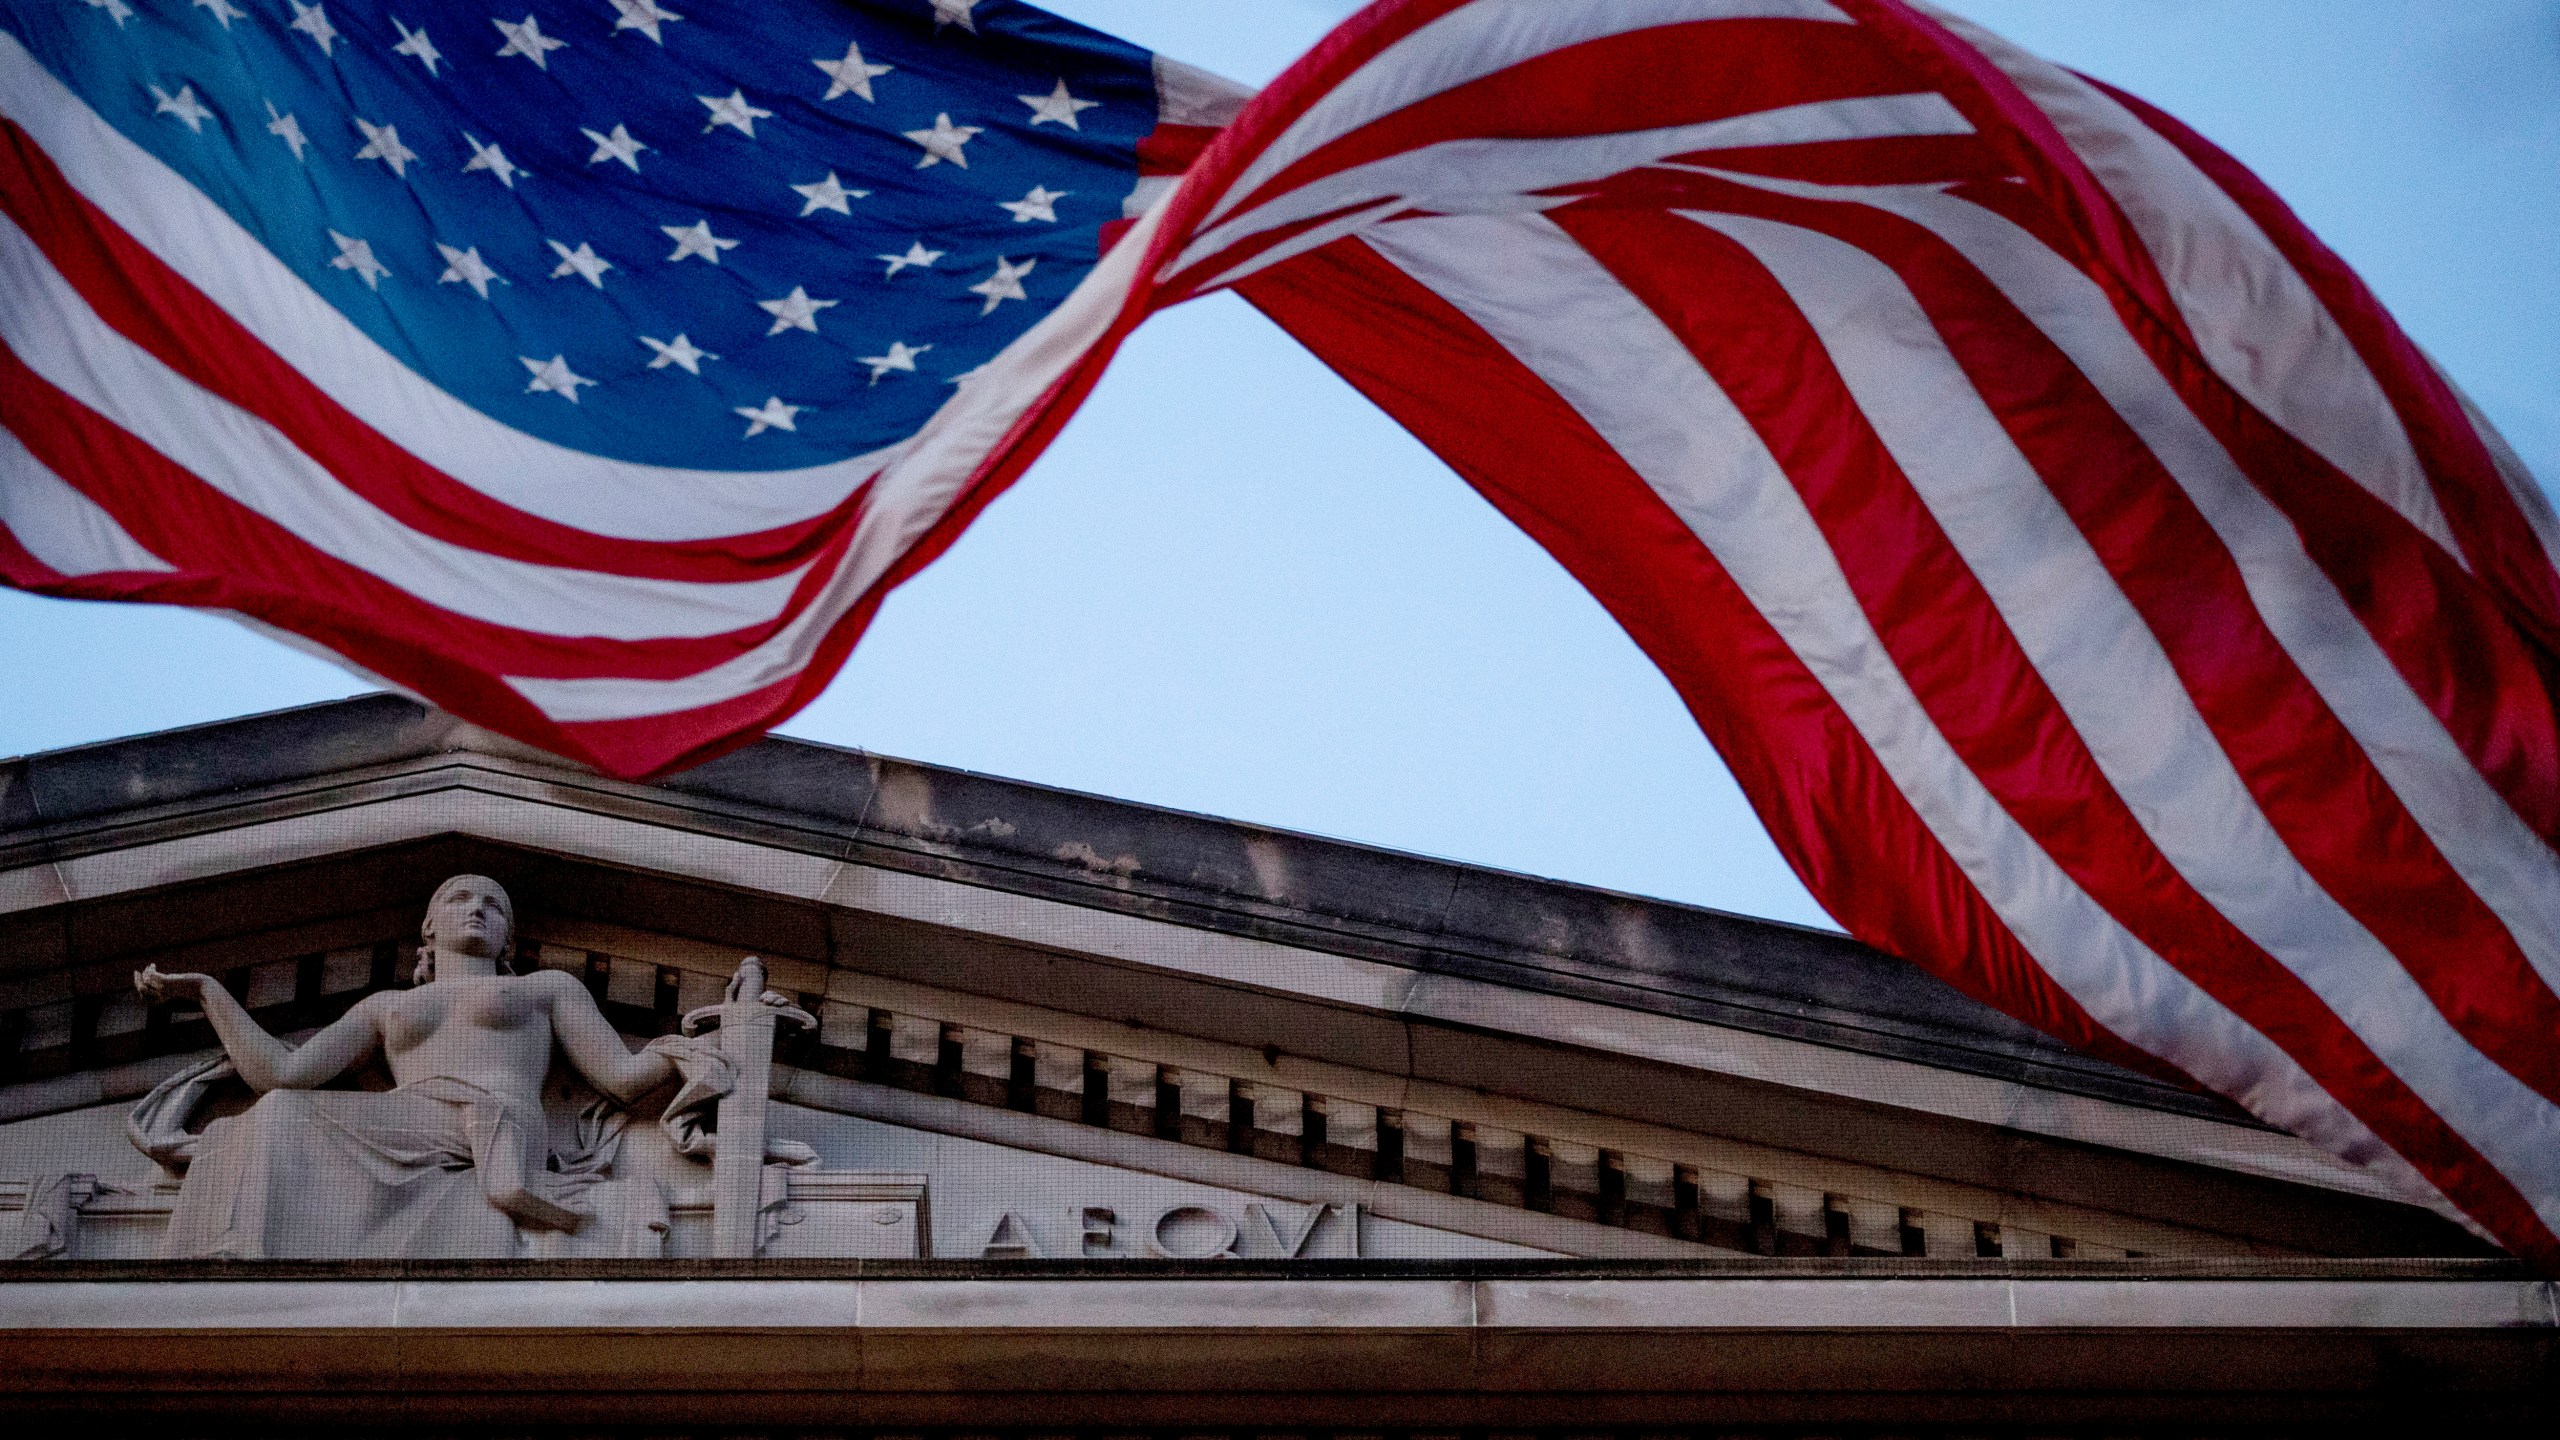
{"points": [[461, 1158], [174, 766], [1409, 911]]}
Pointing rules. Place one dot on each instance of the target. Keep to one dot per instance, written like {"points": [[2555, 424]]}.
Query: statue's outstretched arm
{"points": [[594, 1049], [264, 1061]]}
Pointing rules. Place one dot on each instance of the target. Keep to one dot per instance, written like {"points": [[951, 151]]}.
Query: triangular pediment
{"points": [[1029, 1005]]}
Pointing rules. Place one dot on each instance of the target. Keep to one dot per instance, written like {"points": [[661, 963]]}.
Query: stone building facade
{"points": [[1038, 1113]]}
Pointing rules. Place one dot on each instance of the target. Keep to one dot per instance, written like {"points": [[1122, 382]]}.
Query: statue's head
{"points": [[468, 915]]}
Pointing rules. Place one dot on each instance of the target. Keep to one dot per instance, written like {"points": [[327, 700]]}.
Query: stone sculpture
{"points": [[457, 1160]]}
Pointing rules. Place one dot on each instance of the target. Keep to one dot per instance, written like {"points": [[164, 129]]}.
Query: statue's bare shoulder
{"points": [[565, 998], [377, 1007], [596, 1050], [558, 985], [557, 980]]}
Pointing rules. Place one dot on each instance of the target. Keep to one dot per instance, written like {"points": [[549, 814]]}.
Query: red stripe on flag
{"points": [[1336, 58], [1951, 643], [2103, 240], [262, 565], [2494, 533], [2339, 817], [1838, 818], [1170, 149], [1841, 821], [1654, 78], [2496, 700]]}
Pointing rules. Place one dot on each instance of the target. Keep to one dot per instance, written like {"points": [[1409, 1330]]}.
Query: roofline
{"points": [[1327, 894]]}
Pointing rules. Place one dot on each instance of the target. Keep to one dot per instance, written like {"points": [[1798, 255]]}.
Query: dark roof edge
{"points": [[1188, 868]]}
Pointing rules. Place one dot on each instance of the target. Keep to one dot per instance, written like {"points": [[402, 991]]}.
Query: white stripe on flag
{"points": [[1189, 95], [50, 327], [2109, 674], [2480, 835], [2512, 470], [60, 526], [2256, 320], [1489, 176], [1470, 43], [200, 240], [1614, 362]]}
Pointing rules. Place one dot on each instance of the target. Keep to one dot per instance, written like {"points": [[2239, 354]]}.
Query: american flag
{"points": [[588, 366], [2102, 600]]}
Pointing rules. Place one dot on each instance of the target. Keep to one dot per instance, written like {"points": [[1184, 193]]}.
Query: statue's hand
{"points": [[160, 987]]}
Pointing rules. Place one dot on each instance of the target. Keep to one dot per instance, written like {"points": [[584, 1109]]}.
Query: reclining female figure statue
{"points": [[450, 1162]]}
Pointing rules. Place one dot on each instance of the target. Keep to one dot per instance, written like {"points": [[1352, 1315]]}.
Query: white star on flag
{"points": [[850, 73], [491, 159], [287, 129], [311, 20], [620, 145], [956, 12], [733, 111], [466, 267], [916, 255], [184, 105], [223, 10], [1040, 204], [827, 194], [771, 415], [357, 255], [680, 350], [644, 16], [697, 239], [117, 10], [415, 42], [943, 142], [382, 142], [582, 262], [901, 356], [525, 38], [1005, 284], [795, 311], [553, 376], [1057, 105]]}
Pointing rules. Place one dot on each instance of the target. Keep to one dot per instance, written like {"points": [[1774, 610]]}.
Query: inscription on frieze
{"points": [[1190, 1230]]}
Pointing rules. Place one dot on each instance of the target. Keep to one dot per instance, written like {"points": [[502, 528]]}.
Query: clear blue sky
{"points": [[1233, 587]]}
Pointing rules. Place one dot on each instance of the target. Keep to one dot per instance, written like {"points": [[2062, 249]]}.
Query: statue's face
{"points": [[469, 917]]}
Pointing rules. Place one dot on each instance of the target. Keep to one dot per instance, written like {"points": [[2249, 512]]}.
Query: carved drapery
{"points": [[349, 1169]]}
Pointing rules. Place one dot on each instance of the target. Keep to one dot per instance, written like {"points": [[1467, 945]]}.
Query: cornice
{"points": [[1942, 1029]]}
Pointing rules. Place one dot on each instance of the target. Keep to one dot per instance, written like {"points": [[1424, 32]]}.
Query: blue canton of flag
{"points": [[717, 236]]}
